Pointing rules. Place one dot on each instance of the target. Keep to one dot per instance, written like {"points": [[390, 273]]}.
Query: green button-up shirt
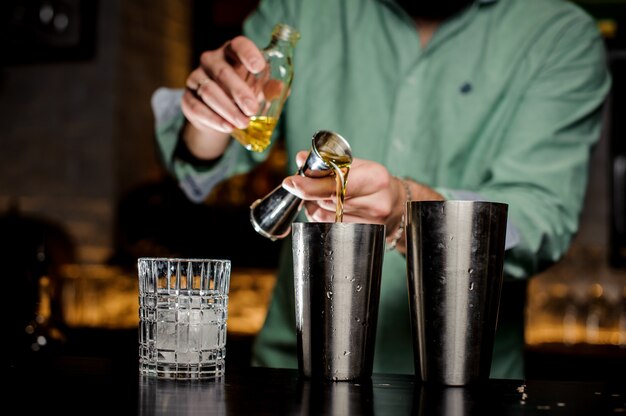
{"points": [[503, 104]]}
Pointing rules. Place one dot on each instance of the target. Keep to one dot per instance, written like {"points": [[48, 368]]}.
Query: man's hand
{"points": [[221, 95], [373, 195]]}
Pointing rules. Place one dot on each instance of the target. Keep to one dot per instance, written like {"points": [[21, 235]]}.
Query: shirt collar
{"points": [[478, 2]]}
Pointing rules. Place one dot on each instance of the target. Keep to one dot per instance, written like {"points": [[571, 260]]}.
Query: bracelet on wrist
{"points": [[391, 245]]}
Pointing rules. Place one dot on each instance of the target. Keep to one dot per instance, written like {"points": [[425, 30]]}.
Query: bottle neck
{"points": [[284, 46], [284, 38]]}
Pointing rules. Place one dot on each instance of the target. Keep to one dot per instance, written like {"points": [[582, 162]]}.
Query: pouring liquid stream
{"points": [[341, 168]]}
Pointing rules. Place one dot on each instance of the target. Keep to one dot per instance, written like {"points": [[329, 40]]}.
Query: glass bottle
{"points": [[272, 88]]}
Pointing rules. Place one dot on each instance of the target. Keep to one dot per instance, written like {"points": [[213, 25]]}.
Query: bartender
{"points": [[497, 100]]}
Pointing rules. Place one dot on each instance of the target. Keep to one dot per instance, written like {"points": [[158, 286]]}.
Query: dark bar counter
{"points": [[89, 382]]}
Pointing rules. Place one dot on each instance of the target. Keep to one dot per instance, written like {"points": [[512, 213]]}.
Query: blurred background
{"points": [[83, 192]]}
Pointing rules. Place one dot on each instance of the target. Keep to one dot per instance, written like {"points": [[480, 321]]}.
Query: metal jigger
{"points": [[272, 215]]}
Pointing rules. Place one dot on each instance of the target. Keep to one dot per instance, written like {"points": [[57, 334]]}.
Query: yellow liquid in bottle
{"points": [[256, 137]]}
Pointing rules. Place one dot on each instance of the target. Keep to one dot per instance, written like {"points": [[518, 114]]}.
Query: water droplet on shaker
{"points": [[346, 353], [471, 286], [358, 288], [329, 294]]}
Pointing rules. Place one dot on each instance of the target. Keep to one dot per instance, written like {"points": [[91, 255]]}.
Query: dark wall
{"points": [[77, 128]]}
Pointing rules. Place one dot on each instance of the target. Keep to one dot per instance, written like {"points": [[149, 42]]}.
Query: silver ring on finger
{"points": [[201, 83]]}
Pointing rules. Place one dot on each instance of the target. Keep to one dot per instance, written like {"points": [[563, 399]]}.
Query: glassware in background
{"points": [[575, 312], [606, 303], [183, 308], [272, 88], [549, 312], [586, 310]]}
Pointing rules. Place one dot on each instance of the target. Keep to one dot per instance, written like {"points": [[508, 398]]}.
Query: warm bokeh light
{"points": [[564, 309], [102, 296]]}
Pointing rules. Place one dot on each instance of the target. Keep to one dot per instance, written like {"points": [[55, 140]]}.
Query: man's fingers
{"points": [[244, 51], [217, 100], [202, 116]]}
